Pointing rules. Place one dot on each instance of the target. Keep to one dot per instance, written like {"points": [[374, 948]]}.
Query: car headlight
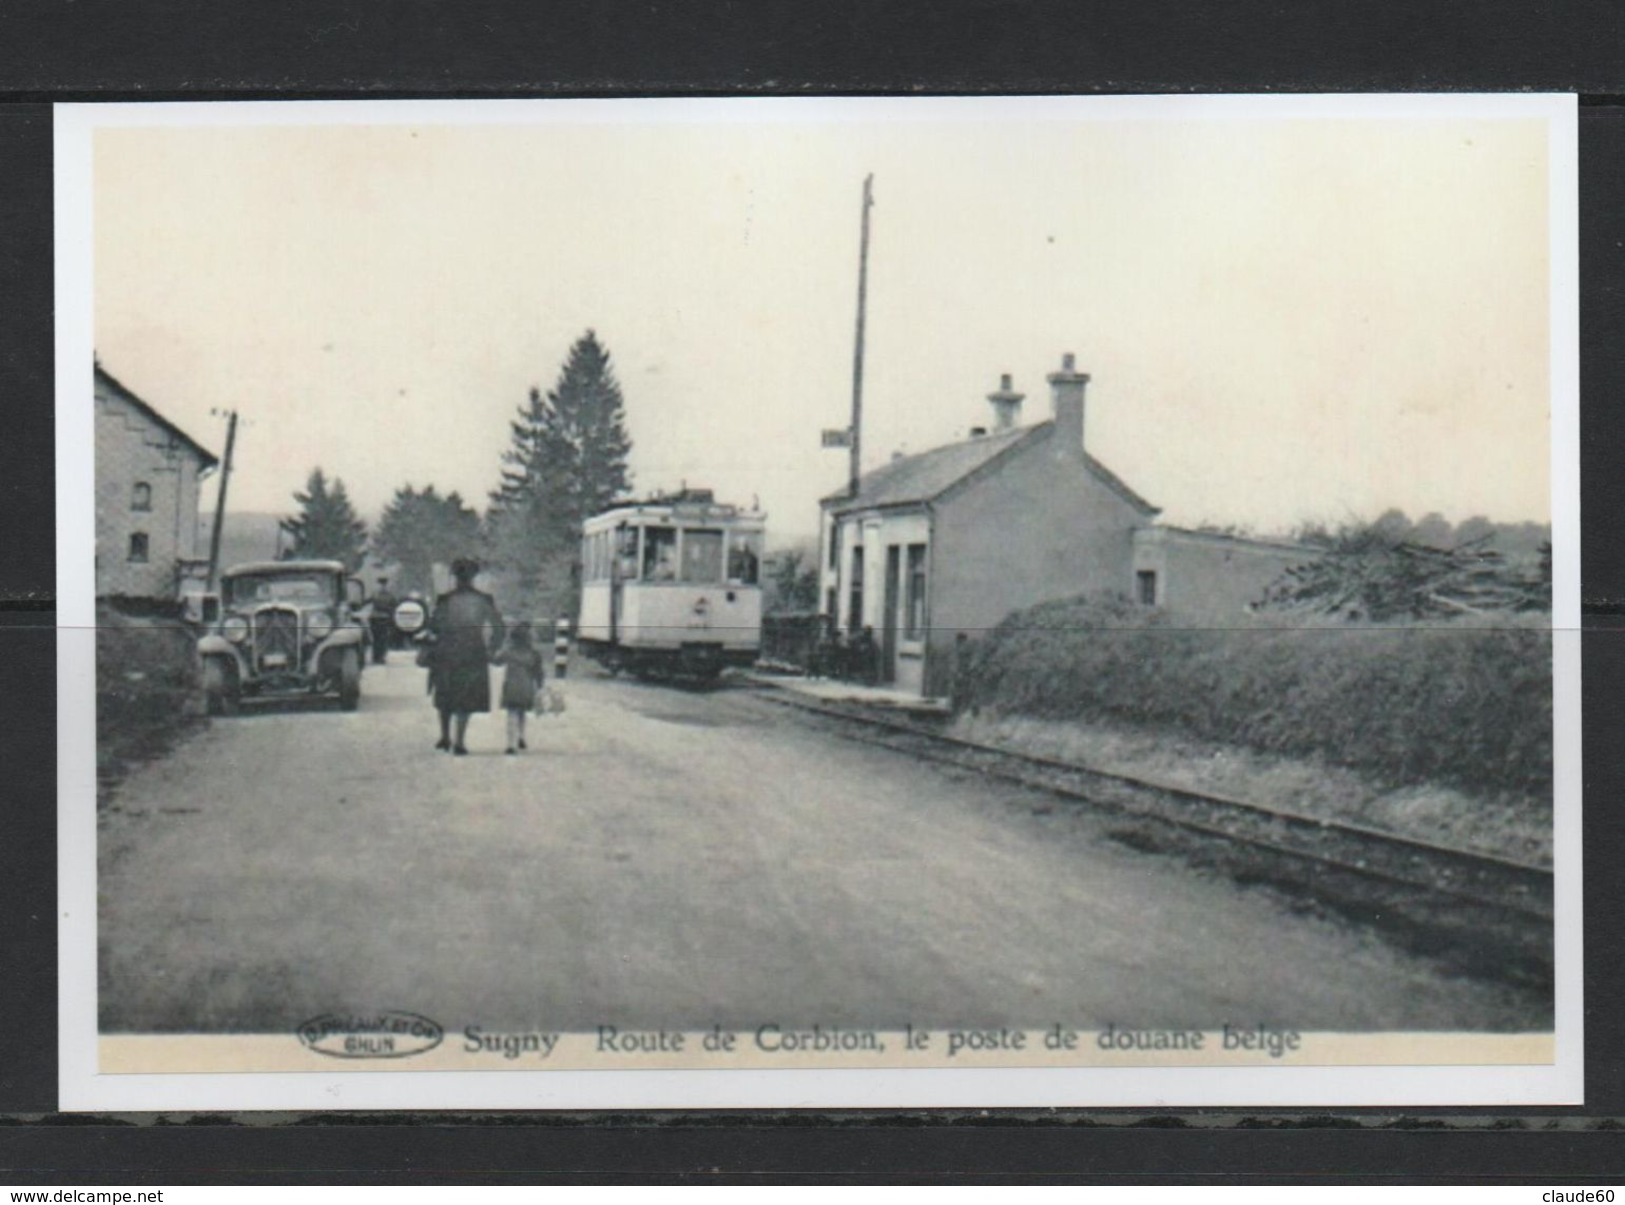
{"points": [[319, 625], [234, 628]]}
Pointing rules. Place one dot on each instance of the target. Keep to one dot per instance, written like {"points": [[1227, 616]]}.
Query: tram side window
{"points": [[626, 553], [659, 554], [744, 558]]}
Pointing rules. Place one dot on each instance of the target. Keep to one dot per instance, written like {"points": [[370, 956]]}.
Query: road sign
{"points": [[837, 437]]}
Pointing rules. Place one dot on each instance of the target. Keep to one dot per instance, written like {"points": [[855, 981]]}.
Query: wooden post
{"points": [[855, 470], [220, 506]]}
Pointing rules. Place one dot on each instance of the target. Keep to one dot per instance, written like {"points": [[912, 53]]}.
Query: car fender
{"points": [[215, 645], [341, 637]]}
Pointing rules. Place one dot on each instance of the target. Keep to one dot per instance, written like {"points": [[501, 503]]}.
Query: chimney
{"points": [[1067, 388], [1006, 405]]}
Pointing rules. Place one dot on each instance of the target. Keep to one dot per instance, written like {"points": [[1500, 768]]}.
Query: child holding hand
{"points": [[521, 681]]}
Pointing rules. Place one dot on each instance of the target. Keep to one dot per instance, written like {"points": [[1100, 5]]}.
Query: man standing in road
{"points": [[382, 621]]}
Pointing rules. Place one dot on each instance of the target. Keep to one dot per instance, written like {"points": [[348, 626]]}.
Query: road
{"points": [[669, 858]]}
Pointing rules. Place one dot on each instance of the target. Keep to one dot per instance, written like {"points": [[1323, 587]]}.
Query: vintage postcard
{"points": [[822, 603]]}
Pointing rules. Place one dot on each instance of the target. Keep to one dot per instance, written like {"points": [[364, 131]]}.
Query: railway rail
{"points": [[1494, 913]]}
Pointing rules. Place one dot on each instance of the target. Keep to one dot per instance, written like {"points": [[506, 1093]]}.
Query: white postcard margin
{"points": [[83, 1089]]}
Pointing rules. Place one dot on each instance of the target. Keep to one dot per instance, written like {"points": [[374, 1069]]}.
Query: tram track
{"points": [[1490, 913]]}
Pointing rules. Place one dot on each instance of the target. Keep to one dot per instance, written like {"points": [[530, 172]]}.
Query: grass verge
{"points": [[1440, 730], [147, 693]]}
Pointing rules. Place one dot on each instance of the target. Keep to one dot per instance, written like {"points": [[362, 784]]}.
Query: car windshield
{"points": [[280, 587]]}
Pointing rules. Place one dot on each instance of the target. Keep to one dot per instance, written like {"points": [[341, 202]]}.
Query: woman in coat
{"points": [[466, 631]]}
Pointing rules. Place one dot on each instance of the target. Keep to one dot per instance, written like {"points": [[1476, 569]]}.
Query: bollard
{"points": [[561, 647]]}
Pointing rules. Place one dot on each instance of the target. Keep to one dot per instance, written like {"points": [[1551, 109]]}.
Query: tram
{"points": [[671, 587]]}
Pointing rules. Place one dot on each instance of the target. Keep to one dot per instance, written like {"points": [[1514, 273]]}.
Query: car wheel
{"points": [[349, 679], [220, 690]]}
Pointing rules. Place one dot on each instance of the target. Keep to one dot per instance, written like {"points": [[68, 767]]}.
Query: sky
{"points": [[1285, 320]]}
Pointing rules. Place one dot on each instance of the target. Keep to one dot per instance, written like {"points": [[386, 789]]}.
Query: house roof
{"points": [[926, 476], [209, 459]]}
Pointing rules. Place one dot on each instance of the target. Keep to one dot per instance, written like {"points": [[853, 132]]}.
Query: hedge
{"points": [[1465, 702]]}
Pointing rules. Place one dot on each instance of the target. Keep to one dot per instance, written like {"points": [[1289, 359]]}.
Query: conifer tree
{"points": [[566, 462], [420, 529], [327, 526]]}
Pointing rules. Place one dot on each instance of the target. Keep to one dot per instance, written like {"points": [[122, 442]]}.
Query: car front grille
{"points": [[276, 638]]}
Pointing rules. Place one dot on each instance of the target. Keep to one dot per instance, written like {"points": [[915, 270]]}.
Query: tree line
{"points": [[566, 460]]}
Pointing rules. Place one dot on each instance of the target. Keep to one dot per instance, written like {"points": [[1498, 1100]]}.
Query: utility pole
{"points": [[857, 352], [220, 502]]}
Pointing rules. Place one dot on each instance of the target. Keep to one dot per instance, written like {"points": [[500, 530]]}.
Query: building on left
{"points": [[148, 476]]}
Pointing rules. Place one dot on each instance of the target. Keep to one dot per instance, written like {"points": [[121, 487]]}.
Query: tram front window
{"points": [[744, 558], [702, 555], [659, 554]]}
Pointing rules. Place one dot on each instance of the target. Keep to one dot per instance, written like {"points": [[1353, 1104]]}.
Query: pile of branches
{"points": [[1369, 574]]}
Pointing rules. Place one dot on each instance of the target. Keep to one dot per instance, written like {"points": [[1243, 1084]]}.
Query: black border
{"points": [[206, 49]]}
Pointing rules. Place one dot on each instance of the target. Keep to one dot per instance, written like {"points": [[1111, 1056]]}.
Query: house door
{"points": [[888, 613]]}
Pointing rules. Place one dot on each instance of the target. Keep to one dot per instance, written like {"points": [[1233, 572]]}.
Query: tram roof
{"points": [[675, 511]]}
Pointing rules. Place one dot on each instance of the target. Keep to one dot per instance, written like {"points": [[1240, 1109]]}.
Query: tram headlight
{"points": [[234, 628], [319, 625]]}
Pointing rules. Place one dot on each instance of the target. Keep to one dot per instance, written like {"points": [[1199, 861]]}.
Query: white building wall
{"points": [[876, 531], [133, 450]]}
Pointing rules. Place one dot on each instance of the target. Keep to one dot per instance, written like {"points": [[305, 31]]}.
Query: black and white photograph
{"points": [[819, 603]]}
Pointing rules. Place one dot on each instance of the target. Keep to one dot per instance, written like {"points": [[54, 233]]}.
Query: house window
{"points": [[1145, 584], [854, 601], [138, 547], [914, 594], [141, 496]]}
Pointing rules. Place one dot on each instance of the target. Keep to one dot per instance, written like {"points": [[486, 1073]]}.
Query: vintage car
{"points": [[284, 628]]}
